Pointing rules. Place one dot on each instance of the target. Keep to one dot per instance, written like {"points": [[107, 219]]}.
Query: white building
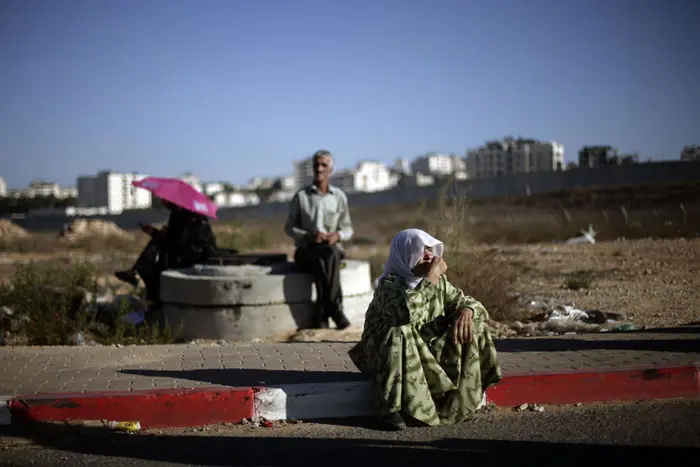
{"points": [[261, 183], [288, 183], [67, 192], [402, 166], [439, 164], [303, 172], [281, 196], [193, 180], [213, 188], [114, 191], [43, 189], [236, 198], [368, 177], [3, 188], [690, 153], [497, 158]]}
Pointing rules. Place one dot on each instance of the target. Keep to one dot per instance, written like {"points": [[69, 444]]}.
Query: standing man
{"points": [[318, 220]]}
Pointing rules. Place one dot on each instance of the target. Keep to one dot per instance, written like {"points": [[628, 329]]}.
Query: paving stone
{"points": [[75, 369]]}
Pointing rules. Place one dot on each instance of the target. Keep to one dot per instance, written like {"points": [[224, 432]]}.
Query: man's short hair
{"points": [[323, 153]]}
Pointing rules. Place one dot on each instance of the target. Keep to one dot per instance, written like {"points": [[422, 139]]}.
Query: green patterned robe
{"points": [[406, 346]]}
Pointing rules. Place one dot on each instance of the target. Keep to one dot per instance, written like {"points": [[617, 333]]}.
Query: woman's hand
{"points": [[462, 327], [437, 268]]}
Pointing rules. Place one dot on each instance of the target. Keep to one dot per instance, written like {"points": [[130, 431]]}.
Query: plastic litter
{"points": [[129, 427], [78, 338], [587, 236]]}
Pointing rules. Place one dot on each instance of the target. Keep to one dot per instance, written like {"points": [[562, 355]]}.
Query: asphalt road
{"points": [[608, 434]]}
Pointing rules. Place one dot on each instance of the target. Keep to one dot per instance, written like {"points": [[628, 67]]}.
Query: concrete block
{"points": [[247, 322], [254, 285], [312, 401], [316, 401]]}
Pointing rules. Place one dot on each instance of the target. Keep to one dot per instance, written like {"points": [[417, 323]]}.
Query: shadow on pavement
{"points": [[251, 377], [261, 449]]}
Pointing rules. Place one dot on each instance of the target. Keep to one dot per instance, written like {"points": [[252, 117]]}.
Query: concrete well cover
{"points": [[209, 285], [247, 322]]}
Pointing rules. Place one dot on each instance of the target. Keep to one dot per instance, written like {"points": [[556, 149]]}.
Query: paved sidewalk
{"points": [[32, 370]]}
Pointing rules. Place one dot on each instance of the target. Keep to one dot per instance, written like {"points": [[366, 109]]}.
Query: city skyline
{"points": [[291, 173], [234, 90]]}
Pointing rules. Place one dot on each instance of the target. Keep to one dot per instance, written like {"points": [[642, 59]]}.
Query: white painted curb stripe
{"points": [[5, 414], [315, 401]]}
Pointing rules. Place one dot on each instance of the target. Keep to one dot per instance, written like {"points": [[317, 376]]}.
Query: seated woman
{"points": [[424, 342], [186, 240]]}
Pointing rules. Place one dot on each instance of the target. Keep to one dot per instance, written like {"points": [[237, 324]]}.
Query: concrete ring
{"points": [[206, 285]]}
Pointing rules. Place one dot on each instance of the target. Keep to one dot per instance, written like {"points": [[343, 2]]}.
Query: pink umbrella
{"points": [[179, 193]]}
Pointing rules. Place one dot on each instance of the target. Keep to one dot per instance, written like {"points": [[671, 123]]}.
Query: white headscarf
{"points": [[407, 248]]}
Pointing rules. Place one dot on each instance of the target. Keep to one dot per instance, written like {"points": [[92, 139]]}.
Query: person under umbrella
{"points": [[186, 240]]}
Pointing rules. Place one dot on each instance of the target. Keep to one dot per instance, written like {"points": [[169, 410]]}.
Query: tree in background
{"points": [[24, 204]]}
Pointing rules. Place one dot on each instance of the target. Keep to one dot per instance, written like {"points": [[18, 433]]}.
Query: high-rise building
{"points": [[597, 156], [438, 164], [303, 172], [112, 190], [511, 155], [690, 153]]}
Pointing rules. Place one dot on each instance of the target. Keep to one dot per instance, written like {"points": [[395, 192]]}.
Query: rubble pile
{"points": [[10, 231]]}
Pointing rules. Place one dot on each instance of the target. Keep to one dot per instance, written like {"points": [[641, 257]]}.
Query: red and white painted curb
{"points": [[211, 405]]}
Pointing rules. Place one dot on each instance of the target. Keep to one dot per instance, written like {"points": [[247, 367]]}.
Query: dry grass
{"points": [[478, 273], [578, 280], [49, 306], [671, 211], [463, 225], [45, 242]]}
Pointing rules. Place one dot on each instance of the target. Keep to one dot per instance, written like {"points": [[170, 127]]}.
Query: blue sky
{"points": [[232, 89]]}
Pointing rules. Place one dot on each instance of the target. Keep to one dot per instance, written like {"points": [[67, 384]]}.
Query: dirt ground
{"points": [[653, 282]]}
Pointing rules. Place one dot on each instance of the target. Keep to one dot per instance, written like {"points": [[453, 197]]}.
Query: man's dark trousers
{"points": [[322, 261]]}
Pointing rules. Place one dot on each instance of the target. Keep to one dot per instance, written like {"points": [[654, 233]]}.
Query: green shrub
{"points": [[48, 307], [243, 240], [579, 280]]}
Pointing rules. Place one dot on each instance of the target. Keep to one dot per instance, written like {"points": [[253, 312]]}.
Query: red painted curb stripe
{"points": [[153, 409], [597, 386], [217, 404]]}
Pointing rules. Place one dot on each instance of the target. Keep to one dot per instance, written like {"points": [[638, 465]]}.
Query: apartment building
{"points": [[439, 164], [39, 189], [597, 156], [511, 155], [303, 172], [367, 176], [192, 180], [235, 199], [112, 190], [690, 153], [402, 166], [213, 188]]}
